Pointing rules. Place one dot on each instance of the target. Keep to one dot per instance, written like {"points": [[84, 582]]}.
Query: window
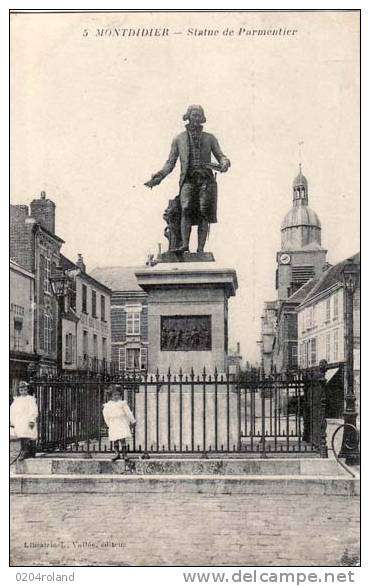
{"points": [[328, 355], [85, 344], [104, 348], [72, 295], [133, 358], [335, 309], [144, 359], [310, 317], [47, 332], [84, 298], [95, 346], [133, 321], [293, 355], [102, 307], [308, 313], [93, 303], [314, 317], [303, 355], [300, 354], [306, 354], [313, 352], [327, 313], [69, 354], [335, 345], [18, 328]]}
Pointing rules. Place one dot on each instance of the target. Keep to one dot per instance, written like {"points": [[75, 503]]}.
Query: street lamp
{"points": [[59, 284], [350, 441]]}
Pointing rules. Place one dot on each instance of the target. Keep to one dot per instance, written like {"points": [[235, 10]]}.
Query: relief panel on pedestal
{"points": [[186, 333]]}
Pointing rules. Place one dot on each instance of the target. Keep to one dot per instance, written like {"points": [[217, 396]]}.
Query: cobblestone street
{"points": [[187, 529]]}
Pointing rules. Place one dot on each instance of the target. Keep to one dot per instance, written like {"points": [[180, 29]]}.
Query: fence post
{"points": [[323, 424], [145, 456], [263, 388]]}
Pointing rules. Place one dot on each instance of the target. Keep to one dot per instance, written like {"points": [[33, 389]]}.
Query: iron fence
{"points": [[185, 413]]}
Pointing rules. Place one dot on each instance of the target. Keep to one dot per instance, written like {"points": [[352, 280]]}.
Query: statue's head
{"points": [[195, 115]]}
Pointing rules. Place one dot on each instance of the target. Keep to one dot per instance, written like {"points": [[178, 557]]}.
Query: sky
{"points": [[92, 117]]}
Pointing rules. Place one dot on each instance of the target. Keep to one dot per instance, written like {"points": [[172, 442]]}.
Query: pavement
{"points": [[187, 529]]}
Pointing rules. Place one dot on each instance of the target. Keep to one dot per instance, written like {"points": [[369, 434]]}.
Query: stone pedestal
{"points": [[187, 315]]}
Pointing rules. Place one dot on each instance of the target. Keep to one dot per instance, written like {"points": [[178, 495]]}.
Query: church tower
{"points": [[301, 256]]}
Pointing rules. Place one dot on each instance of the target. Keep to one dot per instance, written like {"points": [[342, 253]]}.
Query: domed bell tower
{"points": [[301, 256]]}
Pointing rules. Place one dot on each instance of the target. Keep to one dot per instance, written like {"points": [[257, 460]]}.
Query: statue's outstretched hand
{"points": [[155, 180]]}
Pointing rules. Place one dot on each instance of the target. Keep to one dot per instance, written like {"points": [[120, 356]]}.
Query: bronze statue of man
{"points": [[198, 187]]}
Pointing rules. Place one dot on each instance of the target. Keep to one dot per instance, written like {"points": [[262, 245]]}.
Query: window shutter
{"points": [[121, 358], [73, 348]]}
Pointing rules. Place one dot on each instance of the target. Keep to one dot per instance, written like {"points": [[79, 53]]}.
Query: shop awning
{"points": [[330, 373]]}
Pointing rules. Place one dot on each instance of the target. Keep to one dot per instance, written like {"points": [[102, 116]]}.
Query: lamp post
{"points": [[59, 284], [350, 449]]}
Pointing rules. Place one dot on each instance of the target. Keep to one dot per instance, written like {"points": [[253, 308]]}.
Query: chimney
{"points": [[80, 263], [238, 348], [43, 210]]}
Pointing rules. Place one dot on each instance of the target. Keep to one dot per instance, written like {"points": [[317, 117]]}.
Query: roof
{"points": [[52, 234], [68, 265], [300, 180], [331, 277], [118, 278], [17, 267], [300, 215], [301, 293]]}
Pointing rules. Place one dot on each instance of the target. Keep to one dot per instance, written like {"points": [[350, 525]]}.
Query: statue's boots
{"points": [[185, 234], [202, 235]]}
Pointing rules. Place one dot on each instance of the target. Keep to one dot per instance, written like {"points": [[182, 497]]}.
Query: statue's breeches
{"points": [[198, 200]]}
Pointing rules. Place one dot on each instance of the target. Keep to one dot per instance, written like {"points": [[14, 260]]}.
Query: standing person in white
{"points": [[119, 419], [23, 418]]}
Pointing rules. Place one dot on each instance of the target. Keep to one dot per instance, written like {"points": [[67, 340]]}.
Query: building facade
{"points": [[129, 317], [21, 324], [86, 319], [35, 247], [35, 251], [322, 332]]}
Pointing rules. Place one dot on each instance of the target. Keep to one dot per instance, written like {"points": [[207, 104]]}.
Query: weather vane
{"points": [[300, 153]]}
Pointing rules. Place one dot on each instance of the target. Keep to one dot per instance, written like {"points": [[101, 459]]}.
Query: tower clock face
{"points": [[285, 259]]}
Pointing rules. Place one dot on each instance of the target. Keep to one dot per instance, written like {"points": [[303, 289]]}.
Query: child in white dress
{"points": [[23, 418], [119, 418]]}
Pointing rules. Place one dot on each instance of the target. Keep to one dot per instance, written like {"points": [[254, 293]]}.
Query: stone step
{"points": [[210, 485], [181, 466]]}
